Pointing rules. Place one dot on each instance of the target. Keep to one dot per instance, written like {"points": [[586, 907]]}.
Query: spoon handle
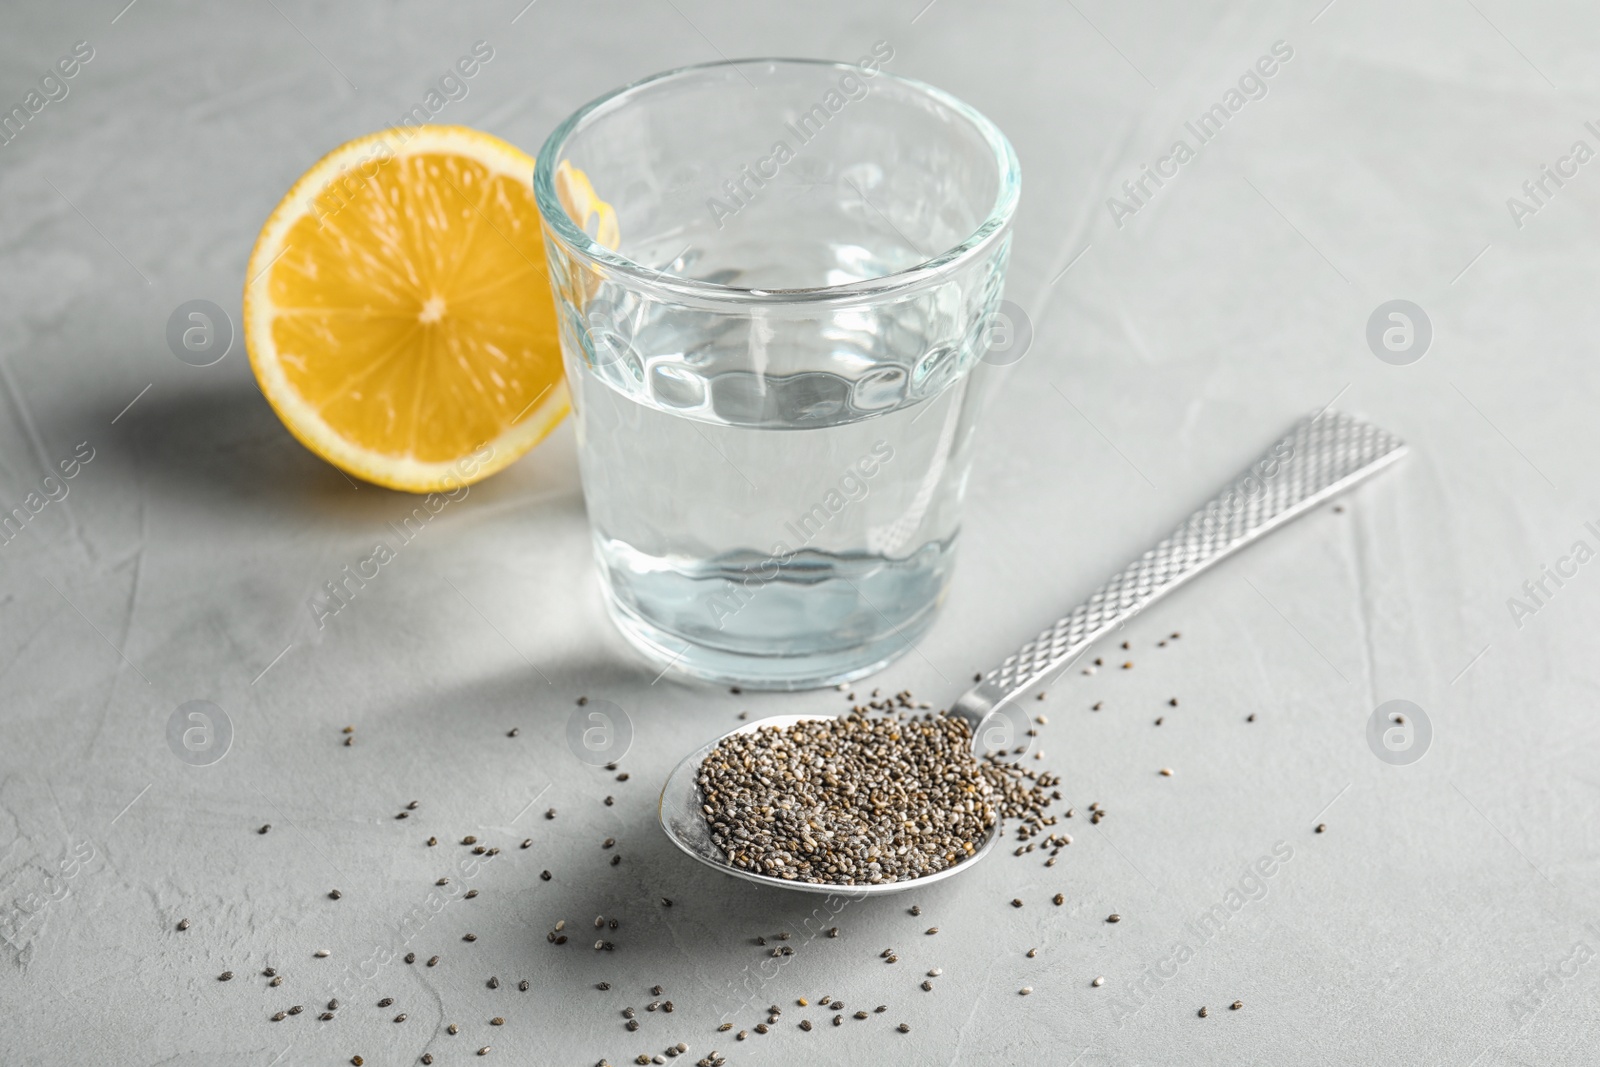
{"points": [[1319, 459]]}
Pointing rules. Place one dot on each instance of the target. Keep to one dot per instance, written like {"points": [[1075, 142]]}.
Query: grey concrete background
{"points": [[1449, 915]]}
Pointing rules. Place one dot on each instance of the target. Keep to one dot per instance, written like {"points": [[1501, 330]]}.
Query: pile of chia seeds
{"points": [[859, 800]]}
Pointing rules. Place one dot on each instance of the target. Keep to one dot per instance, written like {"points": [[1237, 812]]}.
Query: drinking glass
{"points": [[774, 279]]}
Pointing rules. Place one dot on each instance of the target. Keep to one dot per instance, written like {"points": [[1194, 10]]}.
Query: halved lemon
{"points": [[398, 312]]}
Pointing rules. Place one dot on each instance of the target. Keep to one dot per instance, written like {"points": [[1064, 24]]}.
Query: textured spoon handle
{"points": [[1320, 458]]}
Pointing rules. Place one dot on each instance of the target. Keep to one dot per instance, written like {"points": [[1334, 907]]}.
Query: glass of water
{"points": [[774, 280]]}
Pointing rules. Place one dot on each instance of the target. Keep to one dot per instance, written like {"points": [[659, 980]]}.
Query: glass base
{"points": [[775, 672]]}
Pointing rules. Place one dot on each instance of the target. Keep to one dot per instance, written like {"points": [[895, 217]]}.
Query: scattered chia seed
{"points": [[805, 1024], [1025, 990], [297, 1009], [470, 894], [933, 930], [904, 1028], [453, 1028], [277, 980], [522, 986], [602, 986], [1059, 899], [494, 983], [264, 828], [225, 976], [1016, 903], [325, 1016], [1322, 827], [544, 876], [1203, 1013], [484, 1051], [724, 1028], [497, 1021], [1236, 1005], [550, 814], [400, 1018], [1113, 918], [322, 954], [334, 894], [1098, 982], [433, 961], [928, 985], [427, 1058], [183, 924], [385, 1002], [411, 957], [280, 1016], [1166, 772], [469, 937], [432, 841]]}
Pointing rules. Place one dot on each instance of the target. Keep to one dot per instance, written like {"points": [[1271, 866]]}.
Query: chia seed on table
{"points": [[858, 800]]}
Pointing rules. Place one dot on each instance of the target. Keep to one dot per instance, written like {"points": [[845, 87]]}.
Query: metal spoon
{"points": [[1319, 459]]}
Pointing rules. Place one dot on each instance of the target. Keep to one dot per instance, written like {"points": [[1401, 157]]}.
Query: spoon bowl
{"points": [[685, 824]]}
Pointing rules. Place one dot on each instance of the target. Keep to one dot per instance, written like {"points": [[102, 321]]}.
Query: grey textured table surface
{"points": [[1450, 914]]}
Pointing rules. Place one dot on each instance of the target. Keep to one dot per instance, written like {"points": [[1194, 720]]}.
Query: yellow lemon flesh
{"points": [[398, 313]]}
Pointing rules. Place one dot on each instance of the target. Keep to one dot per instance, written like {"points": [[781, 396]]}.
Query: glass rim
{"points": [[558, 222]]}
